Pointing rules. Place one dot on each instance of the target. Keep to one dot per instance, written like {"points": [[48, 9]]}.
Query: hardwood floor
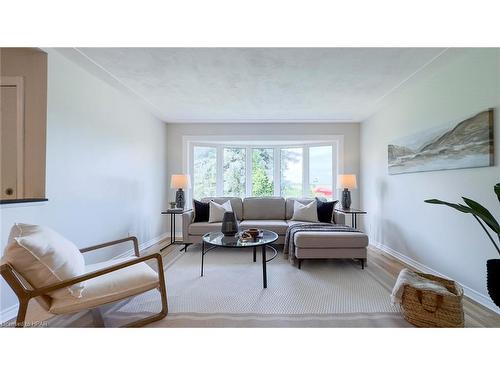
{"points": [[475, 313]]}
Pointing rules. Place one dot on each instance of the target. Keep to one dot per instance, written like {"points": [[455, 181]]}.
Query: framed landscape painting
{"points": [[468, 144]]}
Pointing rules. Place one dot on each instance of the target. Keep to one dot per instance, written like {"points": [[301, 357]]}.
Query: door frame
{"points": [[18, 82]]}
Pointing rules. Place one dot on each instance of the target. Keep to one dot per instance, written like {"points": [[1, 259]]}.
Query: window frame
{"points": [[270, 142]]}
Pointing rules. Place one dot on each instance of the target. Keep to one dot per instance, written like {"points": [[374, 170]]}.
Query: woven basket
{"points": [[425, 308]]}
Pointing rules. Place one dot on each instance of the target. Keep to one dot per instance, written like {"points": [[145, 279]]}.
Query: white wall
{"points": [[350, 131], [106, 166], [459, 84]]}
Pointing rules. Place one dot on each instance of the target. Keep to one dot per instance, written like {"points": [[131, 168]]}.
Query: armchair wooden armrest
{"points": [[111, 243]]}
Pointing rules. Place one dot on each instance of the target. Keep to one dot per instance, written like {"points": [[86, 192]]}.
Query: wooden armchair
{"points": [[105, 282]]}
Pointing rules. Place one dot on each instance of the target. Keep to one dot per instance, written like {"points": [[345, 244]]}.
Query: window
{"points": [[320, 172], [234, 172], [242, 169], [262, 172], [205, 172], [291, 172]]}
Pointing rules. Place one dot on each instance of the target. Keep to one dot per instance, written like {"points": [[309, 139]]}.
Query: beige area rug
{"points": [[335, 293]]}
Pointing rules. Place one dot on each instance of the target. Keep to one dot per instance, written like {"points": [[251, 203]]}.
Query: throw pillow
{"points": [[201, 211], [43, 257], [305, 212], [325, 211], [217, 211]]}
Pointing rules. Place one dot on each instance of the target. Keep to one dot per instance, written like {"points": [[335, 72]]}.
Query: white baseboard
{"points": [[469, 292], [143, 246], [11, 311]]}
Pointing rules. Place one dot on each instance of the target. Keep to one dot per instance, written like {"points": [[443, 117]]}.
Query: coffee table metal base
{"points": [[205, 250]]}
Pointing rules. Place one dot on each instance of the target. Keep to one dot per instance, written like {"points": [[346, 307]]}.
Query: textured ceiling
{"points": [[260, 84]]}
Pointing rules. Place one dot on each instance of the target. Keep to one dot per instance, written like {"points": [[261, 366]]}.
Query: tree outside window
{"points": [[205, 172], [262, 172], [234, 172]]}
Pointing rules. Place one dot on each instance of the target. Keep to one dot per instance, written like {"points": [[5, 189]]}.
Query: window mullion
{"points": [[248, 175], [220, 171], [305, 171], [277, 171]]}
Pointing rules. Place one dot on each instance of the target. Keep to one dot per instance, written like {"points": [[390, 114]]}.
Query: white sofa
{"points": [[275, 213], [272, 213]]}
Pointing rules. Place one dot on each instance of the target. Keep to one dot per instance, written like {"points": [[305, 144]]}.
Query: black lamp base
{"points": [[179, 198], [346, 199]]}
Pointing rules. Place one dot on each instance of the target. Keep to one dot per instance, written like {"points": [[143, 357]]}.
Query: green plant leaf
{"points": [[497, 190], [484, 214], [456, 206]]}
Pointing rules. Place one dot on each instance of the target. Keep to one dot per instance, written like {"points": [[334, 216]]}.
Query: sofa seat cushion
{"points": [[110, 287], [277, 226], [199, 229], [330, 239]]}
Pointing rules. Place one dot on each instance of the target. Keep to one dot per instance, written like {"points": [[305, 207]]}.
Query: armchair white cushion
{"points": [[44, 257], [109, 287]]}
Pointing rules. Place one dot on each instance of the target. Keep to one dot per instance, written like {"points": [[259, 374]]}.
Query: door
{"points": [[12, 137]]}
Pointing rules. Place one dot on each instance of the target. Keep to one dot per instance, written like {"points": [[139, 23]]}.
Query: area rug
{"points": [[334, 293]]}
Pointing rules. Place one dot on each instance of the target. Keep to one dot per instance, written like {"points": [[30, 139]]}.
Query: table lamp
{"points": [[180, 181], [346, 182]]}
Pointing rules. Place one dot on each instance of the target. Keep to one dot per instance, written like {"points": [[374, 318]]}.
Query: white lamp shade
{"points": [[346, 181], [180, 181]]}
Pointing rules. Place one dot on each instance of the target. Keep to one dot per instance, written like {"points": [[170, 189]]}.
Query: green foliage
{"points": [[480, 213], [483, 213], [205, 170], [234, 172], [262, 185], [262, 171]]}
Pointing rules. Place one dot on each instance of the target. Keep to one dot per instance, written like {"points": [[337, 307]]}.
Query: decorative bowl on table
{"points": [[254, 232]]}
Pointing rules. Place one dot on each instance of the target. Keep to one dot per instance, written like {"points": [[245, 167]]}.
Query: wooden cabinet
{"points": [[23, 123]]}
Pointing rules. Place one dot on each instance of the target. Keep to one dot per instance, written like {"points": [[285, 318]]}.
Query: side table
{"points": [[173, 212], [354, 214]]}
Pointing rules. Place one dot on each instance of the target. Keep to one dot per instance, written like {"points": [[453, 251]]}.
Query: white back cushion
{"points": [[216, 213], [305, 212], [43, 257]]}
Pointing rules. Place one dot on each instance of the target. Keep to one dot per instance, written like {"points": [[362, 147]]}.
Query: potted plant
{"points": [[483, 217]]}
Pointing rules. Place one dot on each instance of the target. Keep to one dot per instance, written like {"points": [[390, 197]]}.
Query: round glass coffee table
{"points": [[213, 240]]}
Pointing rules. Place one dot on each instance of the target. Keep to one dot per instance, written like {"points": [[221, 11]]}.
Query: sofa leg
{"points": [[300, 263], [362, 263]]}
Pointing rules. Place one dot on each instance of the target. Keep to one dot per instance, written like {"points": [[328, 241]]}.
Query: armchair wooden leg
{"points": [[21, 313], [164, 303], [97, 318], [300, 263]]}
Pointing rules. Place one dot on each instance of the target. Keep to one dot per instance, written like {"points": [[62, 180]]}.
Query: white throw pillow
{"points": [[217, 211], [43, 257], [303, 212]]}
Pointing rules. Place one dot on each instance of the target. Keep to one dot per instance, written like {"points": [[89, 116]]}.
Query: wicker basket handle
{"points": [[425, 301]]}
